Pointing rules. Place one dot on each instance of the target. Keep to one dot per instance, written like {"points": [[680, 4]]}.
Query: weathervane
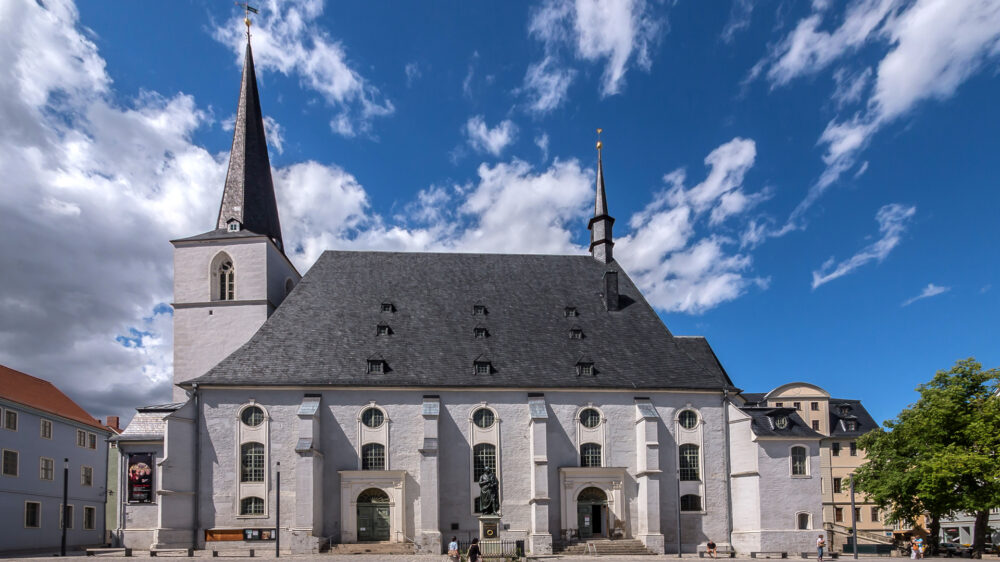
{"points": [[249, 10], [599, 144]]}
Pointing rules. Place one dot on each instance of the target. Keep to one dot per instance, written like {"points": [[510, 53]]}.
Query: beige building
{"points": [[841, 422]]}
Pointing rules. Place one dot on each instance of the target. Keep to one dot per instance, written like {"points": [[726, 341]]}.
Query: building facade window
{"points": [[854, 449], [851, 426], [482, 367], [590, 418], [590, 455], [688, 419], [815, 425], [91, 440], [227, 281], [690, 502], [86, 476], [252, 506], [9, 463], [373, 456], [689, 469], [799, 459], [10, 419], [89, 518], [797, 405], [376, 366], [252, 462], [46, 468], [837, 485], [835, 449], [484, 455], [857, 514], [838, 514], [32, 515], [46, 429], [874, 514], [814, 406], [803, 521], [372, 417], [584, 368], [252, 416], [483, 418]]}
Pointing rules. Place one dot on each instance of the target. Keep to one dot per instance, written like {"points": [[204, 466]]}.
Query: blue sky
{"points": [[812, 186]]}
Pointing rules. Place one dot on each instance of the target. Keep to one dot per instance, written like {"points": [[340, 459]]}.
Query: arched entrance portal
{"points": [[373, 515], [592, 512]]}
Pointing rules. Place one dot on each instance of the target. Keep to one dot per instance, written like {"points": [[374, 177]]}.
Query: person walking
{"points": [[820, 544], [711, 548], [453, 549], [474, 555]]}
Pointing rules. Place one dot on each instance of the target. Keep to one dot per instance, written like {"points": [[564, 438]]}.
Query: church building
{"points": [[364, 400]]}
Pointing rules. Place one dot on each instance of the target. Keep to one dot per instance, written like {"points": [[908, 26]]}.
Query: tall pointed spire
{"points": [[248, 198], [601, 223]]}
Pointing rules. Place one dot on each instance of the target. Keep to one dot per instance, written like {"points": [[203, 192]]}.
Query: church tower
{"points": [[229, 280], [601, 223]]}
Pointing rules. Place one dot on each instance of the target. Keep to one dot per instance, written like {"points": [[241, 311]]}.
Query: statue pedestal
{"points": [[489, 527]]}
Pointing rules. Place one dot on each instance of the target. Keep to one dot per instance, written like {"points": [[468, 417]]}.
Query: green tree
{"points": [[939, 456]]}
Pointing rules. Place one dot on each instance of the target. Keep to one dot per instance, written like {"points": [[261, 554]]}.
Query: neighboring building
{"points": [[39, 428], [111, 480], [381, 386], [841, 422], [961, 528]]}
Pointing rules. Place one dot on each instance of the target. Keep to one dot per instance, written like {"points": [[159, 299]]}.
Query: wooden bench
{"points": [[720, 551], [768, 555], [127, 552], [234, 552], [189, 552]]}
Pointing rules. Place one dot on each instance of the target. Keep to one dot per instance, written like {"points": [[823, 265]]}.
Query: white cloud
{"points": [[933, 47], [931, 290], [485, 139], [892, 220], [739, 19], [621, 33], [542, 142], [412, 71], [287, 38]]}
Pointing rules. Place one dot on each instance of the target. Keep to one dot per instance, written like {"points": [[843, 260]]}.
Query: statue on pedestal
{"points": [[489, 493]]}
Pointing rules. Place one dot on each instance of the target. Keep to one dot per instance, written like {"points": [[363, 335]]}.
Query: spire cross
{"points": [[246, 19]]}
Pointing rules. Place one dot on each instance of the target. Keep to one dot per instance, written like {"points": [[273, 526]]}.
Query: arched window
{"points": [[484, 455], [690, 502], [689, 462], [373, 456], [802, 519], [799, 465], [590, 454], [223, 278], [252, 462], [252, 506]]}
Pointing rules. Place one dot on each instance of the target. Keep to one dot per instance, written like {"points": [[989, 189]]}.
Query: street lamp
{"points": [[65, 509], [277, 511]]}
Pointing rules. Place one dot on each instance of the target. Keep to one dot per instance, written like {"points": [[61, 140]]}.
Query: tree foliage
{"points": [[940, 455]]}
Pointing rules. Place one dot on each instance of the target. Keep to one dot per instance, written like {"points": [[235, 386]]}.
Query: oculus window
{"points": [[590, 418], [252, 416], [372, 417], [483, 418], [688, 419]]}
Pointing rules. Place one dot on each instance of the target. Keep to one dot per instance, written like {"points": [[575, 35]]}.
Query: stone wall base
{"points": [[172, 538], [429, 542], [653, 542], [540, 544]]}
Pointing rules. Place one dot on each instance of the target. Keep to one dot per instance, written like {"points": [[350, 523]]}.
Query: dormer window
{"points": [[851, 425], [584, 368], [781, 422], [388, 307], [844, 409], [479, 310], [383, 330], [481, 333], [576, 334], [234, 226], [571, 312], [482, 367], [376, 366]]}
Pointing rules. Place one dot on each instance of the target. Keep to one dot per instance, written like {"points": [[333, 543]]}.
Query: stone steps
{"points": [[624, 547], [372, 548]]}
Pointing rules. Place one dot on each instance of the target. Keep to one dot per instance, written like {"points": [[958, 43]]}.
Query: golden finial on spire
{"points": [[249, 10], [599, 144]]}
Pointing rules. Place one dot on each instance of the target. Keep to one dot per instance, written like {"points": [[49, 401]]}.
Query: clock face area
{"points": [[781, 422]]}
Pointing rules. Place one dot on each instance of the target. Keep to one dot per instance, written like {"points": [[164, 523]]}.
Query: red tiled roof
{"points": [[41, 395]]}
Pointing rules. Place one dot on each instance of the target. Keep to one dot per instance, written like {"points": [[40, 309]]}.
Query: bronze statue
{"points": [[489, 493]]}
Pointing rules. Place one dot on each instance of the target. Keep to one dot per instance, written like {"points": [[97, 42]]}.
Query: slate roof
{"points": [[753, 398], [249, 193], [148, 423], [325, 331], [762, 426], [42, 395], [219, 233], [856, 412], [700, 350]]}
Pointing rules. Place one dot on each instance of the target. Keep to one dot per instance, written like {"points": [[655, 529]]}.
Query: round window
{"points": [[252, 416], [688, 419], [781, 422], [590, 418], [483, 418], [372, 417]]}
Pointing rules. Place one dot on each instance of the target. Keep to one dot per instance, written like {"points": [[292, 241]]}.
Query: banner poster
{"points": [[140, 477]]}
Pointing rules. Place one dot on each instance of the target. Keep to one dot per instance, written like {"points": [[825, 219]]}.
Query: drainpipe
{"points": [[197, 467], [728, 467]]}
